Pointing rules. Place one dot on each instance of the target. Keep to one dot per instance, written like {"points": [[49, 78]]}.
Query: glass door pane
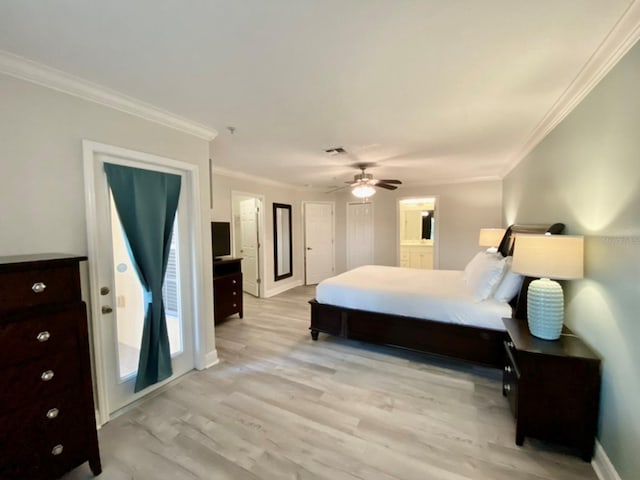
{"points": [[130, 307]]}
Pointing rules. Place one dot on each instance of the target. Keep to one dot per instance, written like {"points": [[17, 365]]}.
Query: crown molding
{"points": [[254, 178], [616, 44], [455, 181], [34, 72]]}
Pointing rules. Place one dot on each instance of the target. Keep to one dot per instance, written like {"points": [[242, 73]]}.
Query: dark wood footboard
{"points": [[477, 345]]}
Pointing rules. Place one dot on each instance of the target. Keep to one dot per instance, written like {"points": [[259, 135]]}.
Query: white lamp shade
{"points": [[559, 257], [363, 191], [490, 237]]}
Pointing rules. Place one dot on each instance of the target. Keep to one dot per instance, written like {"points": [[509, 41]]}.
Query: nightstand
{"points": [[553, 387]]}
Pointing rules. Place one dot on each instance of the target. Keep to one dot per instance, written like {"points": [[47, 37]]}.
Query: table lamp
{"points": [[491, 237], [558, 257]]}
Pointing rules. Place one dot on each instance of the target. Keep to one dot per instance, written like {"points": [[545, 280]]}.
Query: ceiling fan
{"points": [[364, 185]]}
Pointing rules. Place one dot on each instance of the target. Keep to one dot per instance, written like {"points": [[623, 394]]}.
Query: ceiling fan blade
{"points": [[385, 185], [396, 182]]}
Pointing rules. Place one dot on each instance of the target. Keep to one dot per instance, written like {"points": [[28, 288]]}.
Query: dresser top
{"points": [[26, 261], [568, 345]]}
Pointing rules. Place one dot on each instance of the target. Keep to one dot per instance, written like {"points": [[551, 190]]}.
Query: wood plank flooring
{"points": [[280, 406]]}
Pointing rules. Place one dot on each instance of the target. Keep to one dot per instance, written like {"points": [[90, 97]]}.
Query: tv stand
{"points": [[227, 288]]}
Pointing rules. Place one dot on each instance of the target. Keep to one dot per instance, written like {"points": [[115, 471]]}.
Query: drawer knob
{"points": [[234, 293], [53, 413], [233, 281], [38, 287], [507, 369], [234, 305], [507, 388], [57, 450], [43, 336], [46, 376]]}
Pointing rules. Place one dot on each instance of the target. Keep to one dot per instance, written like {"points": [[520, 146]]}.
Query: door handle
{"points": [[106, 309], [309, 248]]}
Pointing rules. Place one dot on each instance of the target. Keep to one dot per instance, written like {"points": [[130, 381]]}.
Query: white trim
{"points": [[602, 465], [40, 74], [282, 288], [617, 43], [202, 359], [304, 235]]}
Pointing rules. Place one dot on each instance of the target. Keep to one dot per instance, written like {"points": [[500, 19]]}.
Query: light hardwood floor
{"points": [[280, 406]]}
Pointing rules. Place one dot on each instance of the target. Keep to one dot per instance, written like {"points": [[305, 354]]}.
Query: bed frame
{"points": [[482, 346]]}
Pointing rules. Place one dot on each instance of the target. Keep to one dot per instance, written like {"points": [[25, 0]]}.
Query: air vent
{"points": [[335, 151]]}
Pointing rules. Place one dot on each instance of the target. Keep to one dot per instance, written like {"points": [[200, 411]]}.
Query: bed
{"points": [[428, 313]]}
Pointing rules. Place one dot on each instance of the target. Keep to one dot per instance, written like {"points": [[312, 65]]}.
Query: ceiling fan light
{"points": [[363, 191]]}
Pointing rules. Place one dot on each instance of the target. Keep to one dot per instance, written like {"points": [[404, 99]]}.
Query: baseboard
{"points": [[210, 359], [602, 465], [282, 289]]}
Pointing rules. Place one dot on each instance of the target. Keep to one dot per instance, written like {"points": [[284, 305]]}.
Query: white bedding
{"points": [[440, 295]]}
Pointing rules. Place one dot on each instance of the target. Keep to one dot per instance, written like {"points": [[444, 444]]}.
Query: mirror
{"points": [[282, 252]]}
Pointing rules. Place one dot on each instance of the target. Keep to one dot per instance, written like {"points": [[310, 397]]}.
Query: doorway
{"points": [[417, 232], [248, 227], [117, 297], [319, 249], [359, 234]]}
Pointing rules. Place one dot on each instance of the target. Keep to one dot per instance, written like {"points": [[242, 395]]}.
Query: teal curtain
{"points": [[146, 202]]}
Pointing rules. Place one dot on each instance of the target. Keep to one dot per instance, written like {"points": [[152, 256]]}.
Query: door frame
{"points": [[261, 231], [89, 151], [333, 232], [436, 224], [373, 235]]}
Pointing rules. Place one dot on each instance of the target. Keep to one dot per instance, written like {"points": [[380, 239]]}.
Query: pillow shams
{"points": [[510, 284], [483, 273]]}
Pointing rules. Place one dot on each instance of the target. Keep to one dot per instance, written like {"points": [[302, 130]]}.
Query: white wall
{"points": [[223, 186], [41, 181], [462, 210], [586, 174]]}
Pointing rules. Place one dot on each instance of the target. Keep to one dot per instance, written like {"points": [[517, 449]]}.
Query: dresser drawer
{"points": [[32, 287], [43, 417], [43, 447], [40, 379], [40, 334]]}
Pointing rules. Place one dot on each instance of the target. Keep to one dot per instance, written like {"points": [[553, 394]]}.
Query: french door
{"points": [[119, 307]]}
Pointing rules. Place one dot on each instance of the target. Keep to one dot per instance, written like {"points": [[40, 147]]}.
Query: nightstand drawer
{"points": [[510, 377]]}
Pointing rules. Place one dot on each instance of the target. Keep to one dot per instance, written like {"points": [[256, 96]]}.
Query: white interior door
{"points": [[119, 309], [249, 210], [319, 242], [359, 234]]}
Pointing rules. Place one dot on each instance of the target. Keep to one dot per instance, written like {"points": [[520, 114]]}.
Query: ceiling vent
{"points": [[335, 151]]}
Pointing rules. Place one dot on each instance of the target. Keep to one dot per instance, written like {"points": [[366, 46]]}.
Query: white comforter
{"points": [[440, 295]]}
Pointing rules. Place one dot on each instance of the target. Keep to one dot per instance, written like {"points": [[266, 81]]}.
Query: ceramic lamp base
{"points": [[545, 309]]}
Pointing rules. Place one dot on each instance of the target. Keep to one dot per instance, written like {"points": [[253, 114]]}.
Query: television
{"points": [[220, 239]]}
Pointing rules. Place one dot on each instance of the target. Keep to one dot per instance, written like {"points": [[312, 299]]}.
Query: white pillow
{"points": [[509, 285], [483, 273]]}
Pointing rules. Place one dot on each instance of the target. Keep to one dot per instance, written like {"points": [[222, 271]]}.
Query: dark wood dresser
{"points": [[227, 288], [553, 387], [47, 415]]}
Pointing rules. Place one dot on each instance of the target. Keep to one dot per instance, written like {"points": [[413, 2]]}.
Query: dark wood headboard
{"points": [[519, 303]]}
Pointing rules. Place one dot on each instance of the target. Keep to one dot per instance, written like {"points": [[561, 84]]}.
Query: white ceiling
{"points": [[432, 90]]}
